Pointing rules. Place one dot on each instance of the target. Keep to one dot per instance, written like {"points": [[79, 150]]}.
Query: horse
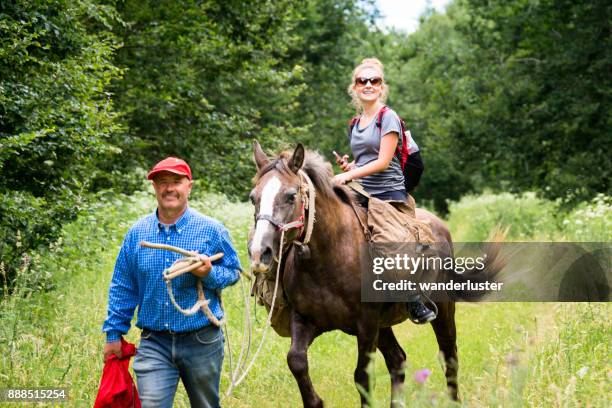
{"points": [[322, 283]]}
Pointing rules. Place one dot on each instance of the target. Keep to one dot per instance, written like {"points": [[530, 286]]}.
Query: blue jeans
{"points": [[196, 358], [396, 195]]}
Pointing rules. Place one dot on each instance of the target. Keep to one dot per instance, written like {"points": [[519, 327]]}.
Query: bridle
{"points": [[307, 212]]}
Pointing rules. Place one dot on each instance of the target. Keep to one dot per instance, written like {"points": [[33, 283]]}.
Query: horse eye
{"points": [[252, 198], [291, 197]]}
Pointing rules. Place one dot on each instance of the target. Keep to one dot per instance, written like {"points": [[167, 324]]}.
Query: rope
{"points": [[310, 195], [234, 382], [178, 268], [190, 263], [245, 344]]}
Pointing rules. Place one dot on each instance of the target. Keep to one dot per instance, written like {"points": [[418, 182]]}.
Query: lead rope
{"points": [[245, 346], [235, 382], [187, 264], [310, 192], [179, 268]]}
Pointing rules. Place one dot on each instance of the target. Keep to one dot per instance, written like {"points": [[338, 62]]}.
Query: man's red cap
{"points": [[173, 165]]}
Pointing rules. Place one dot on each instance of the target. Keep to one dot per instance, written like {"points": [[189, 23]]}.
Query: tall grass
{"points": [[511, 354], [53, 339], [530, 218], [573, 368]]}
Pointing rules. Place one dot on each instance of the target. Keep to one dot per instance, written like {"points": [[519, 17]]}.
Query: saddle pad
{"points": [[394, 221]]}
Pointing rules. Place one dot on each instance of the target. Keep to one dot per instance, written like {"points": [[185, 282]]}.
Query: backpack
{"points": [[401, 154]]}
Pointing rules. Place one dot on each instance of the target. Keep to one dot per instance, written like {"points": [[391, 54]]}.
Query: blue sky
{"points": [[404, 14]]}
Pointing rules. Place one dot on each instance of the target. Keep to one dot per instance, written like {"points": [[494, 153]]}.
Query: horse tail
{"points": [[493, 265]]}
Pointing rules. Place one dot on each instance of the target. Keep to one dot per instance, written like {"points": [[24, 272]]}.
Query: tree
{"points": [[510, 96], [202, 79], [55, 116]]}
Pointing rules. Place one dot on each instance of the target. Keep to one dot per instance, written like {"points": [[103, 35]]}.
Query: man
{"points": [[172, 345]]}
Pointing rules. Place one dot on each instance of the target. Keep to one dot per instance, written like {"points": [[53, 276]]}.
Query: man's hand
{"points": [[112, 348], [203, 270]]}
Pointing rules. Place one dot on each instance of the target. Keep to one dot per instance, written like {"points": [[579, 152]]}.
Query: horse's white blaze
{"points": [[266, 207]]}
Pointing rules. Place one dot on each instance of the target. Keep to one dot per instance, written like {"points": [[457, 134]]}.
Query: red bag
{"points": [[117, 389]]}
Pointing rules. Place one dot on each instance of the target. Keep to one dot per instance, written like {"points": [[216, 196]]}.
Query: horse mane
{"points": [[316, 168]]}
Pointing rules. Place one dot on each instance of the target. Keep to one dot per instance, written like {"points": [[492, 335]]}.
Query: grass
{"points": [[511, 354], [530, 218]]}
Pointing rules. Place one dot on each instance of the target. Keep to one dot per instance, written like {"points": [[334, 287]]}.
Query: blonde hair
{"points": [[373, 63]]}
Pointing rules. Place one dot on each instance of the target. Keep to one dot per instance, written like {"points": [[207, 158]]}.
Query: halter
{"points": [[298, 223], [307, 194]]}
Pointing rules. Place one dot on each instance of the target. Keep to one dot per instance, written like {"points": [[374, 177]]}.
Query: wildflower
{"points": [[582, 372], [512, 359], [420, 376]]}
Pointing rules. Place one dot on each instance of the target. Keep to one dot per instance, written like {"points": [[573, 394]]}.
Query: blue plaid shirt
{"points": [[137, 279]]}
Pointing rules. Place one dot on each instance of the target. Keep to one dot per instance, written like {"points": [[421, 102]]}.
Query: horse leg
{"points": [[395, 359], [446, 334], [367, 337], [302, 335]]}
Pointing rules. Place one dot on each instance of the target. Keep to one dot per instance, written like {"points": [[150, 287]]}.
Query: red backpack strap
{"points": [[379, 118], [351, 125], [402, 154]]}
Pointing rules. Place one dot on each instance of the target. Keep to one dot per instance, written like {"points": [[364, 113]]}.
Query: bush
{"points": [[530, 218], [589, 222], [527, 217], [55, 116]]}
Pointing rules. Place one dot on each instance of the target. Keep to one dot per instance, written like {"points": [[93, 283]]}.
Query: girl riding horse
{"points": [[374, 146]]}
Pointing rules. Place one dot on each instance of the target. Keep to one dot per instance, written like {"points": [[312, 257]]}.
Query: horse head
{"points": [[280, 197]]}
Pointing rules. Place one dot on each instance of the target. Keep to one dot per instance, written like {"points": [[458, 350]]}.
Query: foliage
{"points": [[553, 101], [512, 97], [528, 217], [55, 116], [332, 37], [202, 79], [425, 93]]}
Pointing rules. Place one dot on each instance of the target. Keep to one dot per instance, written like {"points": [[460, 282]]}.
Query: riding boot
{"points": [[419, 313]]}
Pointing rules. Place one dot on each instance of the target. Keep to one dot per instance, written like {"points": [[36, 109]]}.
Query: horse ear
{"points": [[261, 159], [297, 159]]}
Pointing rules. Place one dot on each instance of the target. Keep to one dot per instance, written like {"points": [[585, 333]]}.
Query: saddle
{"points": [[391, 221]]}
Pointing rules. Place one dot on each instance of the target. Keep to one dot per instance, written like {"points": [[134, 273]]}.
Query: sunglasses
{"points": [[361, 81]]}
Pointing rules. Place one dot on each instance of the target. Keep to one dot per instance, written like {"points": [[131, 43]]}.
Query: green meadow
{"points": [[511, 354]]}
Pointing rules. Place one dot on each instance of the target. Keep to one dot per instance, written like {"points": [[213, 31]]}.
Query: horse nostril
{"points": [[266, 256]]}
